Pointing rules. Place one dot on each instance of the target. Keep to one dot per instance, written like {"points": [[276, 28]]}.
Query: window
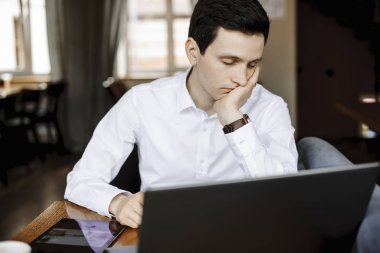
{"points": [[23, 44], [155, 38]]}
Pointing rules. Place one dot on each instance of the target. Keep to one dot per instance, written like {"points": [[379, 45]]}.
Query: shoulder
{"points": [[269, 110], [158, 92], [262, 95], [161, 84]]}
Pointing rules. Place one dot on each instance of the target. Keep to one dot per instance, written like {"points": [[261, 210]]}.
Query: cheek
{"points": [[214, 77], [253, 71]]}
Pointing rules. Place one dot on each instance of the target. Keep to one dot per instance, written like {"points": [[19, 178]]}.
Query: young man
{"points": [[211, 123]]}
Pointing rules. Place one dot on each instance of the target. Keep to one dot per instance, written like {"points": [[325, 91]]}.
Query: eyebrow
{"points": [[235, 58]]}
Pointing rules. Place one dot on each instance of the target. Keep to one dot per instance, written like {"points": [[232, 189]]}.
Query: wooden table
{"points": [[65, 209], [17, 88], [368, 114]]}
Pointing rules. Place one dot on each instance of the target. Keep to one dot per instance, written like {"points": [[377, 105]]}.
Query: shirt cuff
{"points": [[244, 141], [104, 200]]}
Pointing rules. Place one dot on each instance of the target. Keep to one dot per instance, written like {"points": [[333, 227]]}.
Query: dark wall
{"points": [[333, 66]]}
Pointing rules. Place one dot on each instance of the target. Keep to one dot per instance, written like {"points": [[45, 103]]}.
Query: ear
{"points": [[192, 51]]}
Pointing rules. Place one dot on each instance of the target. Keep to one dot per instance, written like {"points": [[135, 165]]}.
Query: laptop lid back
{"points": [[318, 210]]}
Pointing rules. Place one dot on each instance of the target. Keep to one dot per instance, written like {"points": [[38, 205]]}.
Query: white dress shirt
{"points": [[179, 144]]}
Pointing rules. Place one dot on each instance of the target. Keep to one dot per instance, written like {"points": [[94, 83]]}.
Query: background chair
{"points": [[15, 147], [29, 104], [116, 88], [316, 153], [47, 116]]}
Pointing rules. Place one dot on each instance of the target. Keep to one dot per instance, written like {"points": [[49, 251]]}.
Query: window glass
{"points": [[11, 44], [147, 8], [23, 43], [39, 43], [182, 7], [146, 39], [181, 26], [147, 45], [156, 33]]}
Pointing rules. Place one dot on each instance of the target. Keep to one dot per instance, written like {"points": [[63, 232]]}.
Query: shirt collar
{"points": [[184, 99]]}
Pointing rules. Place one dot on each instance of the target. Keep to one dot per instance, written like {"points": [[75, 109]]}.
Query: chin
{"points": [[220, 96]]}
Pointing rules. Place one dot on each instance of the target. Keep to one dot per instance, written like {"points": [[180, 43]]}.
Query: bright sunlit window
{"points": [[156, 33], [23, 44]]}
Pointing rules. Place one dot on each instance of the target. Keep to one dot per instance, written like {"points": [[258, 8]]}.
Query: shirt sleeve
{"points": [[111, 143], [269, 148]]}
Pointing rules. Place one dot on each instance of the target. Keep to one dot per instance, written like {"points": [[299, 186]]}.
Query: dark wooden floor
{"points": [[31, 190]]}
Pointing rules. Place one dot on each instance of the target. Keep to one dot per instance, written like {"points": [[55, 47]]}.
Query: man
{"points": [[211, 123]]}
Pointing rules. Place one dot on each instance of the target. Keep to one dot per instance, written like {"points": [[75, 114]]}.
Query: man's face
{"points": [[227, 63]]}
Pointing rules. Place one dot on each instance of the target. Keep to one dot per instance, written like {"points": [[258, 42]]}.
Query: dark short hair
{"points": [[246, 16]]}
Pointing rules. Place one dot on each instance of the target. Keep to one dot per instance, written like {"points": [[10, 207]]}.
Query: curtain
{"points": [[83, 37]]}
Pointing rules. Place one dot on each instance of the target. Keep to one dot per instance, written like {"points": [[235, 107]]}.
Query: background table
{"points": [[17, 88]]}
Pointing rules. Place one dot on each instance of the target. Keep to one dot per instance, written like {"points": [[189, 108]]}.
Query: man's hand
{"points": [[128, 209], [228, 107]]}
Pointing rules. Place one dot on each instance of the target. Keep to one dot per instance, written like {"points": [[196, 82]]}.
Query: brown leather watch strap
{"points": [[236, 124]]}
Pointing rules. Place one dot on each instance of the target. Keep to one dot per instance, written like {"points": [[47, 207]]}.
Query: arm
{"points": [[112, 142], [271, 152]]}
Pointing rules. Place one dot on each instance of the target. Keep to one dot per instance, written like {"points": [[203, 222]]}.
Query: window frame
{"points": [[25, 68], [169, 17]]}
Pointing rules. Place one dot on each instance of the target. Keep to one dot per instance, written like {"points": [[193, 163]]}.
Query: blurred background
{"points": [[64, 63]]}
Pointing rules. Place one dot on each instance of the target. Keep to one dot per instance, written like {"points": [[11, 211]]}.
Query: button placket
{"points": [[203, 147]]}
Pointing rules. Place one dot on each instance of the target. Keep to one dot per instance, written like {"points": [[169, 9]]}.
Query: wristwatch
{"points": [[236, 124]]}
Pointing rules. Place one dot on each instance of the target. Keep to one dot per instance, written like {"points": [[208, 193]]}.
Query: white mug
{"points": [[14, 246]]}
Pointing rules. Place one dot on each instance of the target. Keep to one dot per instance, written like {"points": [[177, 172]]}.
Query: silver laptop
{"points": [[318, 210]]}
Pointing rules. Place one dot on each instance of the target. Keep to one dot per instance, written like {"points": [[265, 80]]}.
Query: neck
{"points": [[201, 98]]}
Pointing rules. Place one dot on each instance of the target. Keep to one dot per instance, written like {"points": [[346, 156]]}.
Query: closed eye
{"points": [[228, 63], [254, 63]]}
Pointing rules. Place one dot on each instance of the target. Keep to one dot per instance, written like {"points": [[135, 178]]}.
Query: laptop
{"points": [[317, 210]]}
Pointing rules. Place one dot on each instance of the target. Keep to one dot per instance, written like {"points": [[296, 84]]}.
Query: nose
{"points": [[241, 76]]}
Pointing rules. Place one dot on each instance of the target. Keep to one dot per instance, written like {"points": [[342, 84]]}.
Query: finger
{"points": [[130, 218], [136, 205], [135, 217], [140, 197], [255, 76], [138, 208], [126, 221], [129, 222]]}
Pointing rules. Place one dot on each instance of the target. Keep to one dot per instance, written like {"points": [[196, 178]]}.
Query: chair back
{"points": [[117, 89], [314, 152], [53, 92], [30, 102], [8, 107]]}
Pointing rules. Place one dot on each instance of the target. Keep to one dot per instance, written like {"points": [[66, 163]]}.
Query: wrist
{"points": [[116, 202], [227, 117], [236, 124]]}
